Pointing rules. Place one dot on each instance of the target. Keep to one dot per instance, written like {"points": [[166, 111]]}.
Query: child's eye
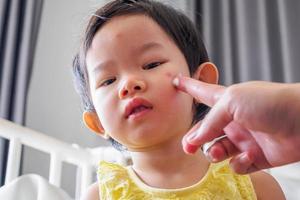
{"points": [[107, 82], [152, 65]]}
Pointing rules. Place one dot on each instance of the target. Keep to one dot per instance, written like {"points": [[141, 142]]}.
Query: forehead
{"points": [[131, 31], [126, 39], [135, 24]]}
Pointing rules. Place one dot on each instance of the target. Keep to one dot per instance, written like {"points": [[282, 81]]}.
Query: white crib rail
{"points": [[85, 158]]}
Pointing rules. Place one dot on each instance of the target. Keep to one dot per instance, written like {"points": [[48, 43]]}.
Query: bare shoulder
{"points": [[266, 187], [92, 193]]}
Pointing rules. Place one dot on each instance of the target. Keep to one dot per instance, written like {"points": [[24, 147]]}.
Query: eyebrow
{"points": [[140, 50], [102, 65], [149, 46]]}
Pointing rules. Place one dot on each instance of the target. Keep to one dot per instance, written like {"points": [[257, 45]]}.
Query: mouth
{"points": [[137, 107]]}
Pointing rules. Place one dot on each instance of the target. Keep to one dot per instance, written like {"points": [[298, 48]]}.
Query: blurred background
{"points": [[247, 39]]}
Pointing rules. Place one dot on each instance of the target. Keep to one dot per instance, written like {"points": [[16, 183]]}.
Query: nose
{"points": [[131, 87]]}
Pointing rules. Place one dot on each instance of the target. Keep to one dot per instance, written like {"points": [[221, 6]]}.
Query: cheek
{"points": [[169, 75], [175, 108], [171, 96], [100, 100], [106, 108]]}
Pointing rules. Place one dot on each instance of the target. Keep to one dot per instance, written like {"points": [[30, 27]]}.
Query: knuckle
{"points": [[231, 97], [232, 91]]}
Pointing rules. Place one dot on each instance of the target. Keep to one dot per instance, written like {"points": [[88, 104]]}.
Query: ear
{"points": [[207, 72], [92, 122]]}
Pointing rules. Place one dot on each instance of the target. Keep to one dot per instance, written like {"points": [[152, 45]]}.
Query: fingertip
{"points": [[242, 163], [216, 154], [189, 148], [200, 137], [176, 81]]}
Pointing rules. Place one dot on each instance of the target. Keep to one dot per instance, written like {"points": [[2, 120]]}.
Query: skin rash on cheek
{"points": [[171, 76]]}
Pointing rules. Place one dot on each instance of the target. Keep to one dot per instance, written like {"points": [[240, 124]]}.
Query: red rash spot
{"points": [[169, 75]]}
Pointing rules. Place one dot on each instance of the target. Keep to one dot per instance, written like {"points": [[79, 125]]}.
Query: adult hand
{"points": [[261, 121]]}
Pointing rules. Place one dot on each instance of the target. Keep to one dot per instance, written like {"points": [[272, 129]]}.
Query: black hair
{"points": [[178, 27]]}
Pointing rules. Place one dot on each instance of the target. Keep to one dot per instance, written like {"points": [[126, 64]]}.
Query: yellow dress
{"points": [[219, 183]]}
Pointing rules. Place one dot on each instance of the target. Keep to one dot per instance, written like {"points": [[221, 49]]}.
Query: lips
{"points": [[137, 105]]}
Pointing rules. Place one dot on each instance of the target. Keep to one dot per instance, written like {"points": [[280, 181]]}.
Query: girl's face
{"points": [[131, 64]]}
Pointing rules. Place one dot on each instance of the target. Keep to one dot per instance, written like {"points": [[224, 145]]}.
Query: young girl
{"points": [[130, 54]]}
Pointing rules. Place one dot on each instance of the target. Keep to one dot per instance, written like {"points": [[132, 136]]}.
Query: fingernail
{"points": [[211, 159], [176, 81], [244, 159], [191, 137]]}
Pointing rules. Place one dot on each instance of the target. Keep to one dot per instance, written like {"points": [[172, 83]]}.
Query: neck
{"points": [[157, 166]]}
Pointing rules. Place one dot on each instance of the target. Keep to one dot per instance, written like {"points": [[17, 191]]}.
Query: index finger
{"points": [[203, 92]]}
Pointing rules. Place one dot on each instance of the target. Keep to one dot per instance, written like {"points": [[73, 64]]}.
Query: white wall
{"points": [[53, 106], [187, 6]]}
